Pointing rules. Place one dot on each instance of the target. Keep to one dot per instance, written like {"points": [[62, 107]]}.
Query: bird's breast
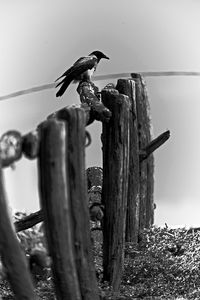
{"points": [[88, 74], [85, 75]]}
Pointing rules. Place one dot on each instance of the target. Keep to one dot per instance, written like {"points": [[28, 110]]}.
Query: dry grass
{"points": [[165, 265]]}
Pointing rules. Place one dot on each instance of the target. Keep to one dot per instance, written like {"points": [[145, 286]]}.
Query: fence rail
{"points": [[125, 208]]}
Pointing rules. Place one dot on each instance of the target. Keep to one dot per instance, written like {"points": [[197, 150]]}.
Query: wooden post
{"points": [[89, 94], [75, 157], [115, 139], [30, 144], [13, 258], [127, 87], [94, 176], [146, 166], [54, 197], [10, 147], [61, 113]]}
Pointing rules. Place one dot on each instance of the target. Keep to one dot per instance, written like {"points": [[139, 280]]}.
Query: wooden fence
{"points": [[125, 197]]}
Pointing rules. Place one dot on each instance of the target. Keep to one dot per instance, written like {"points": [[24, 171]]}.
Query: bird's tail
{"points": [[64, 85], [65, 74]]}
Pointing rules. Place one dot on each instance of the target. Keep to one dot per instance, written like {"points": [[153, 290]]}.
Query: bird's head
{"points": [[99, 55]]}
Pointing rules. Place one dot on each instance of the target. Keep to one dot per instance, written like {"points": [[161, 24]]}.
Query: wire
{"points": [[146, 74], [28, 91], [97, 78]]}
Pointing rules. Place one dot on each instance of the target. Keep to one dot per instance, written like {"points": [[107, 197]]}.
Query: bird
{"points": [[82, 69]]}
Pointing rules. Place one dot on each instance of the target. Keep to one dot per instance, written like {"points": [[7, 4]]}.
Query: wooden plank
{"points": [[115, 139], [146, 166], [153, 145], [127, 87], [29, 221], [13, 258], [54, 198], [75, 156]]}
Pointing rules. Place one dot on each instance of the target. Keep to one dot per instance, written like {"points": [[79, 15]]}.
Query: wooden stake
{"points": [[75, 157], [146, 166], [54, 197], [127, 87], [115, 138]]}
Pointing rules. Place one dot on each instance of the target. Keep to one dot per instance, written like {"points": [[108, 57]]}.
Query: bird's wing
{"points": [[79, 67]]}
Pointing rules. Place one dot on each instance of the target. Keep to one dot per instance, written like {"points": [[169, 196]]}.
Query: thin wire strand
{"points": [[98, 78]]}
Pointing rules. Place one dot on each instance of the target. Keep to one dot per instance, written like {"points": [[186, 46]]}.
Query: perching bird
{"points": [[82, 69]]}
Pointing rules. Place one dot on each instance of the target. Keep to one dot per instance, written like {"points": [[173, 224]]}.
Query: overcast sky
{"points": [[41, 39]]}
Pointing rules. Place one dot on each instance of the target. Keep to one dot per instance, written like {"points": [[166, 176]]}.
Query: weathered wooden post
{"points": [[127, 87], [75, 157], [146, 166], [13, 258], [55, 200], [115, 139], [89, 94]]}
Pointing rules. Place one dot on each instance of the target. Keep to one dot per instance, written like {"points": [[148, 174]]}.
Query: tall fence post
{"points": [[115, 139], [13, 258], [54, 197], [146, 166], [127, 87], [76, 121]]}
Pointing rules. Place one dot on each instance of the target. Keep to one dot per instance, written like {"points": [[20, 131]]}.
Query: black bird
{"points": [[82, 69]]}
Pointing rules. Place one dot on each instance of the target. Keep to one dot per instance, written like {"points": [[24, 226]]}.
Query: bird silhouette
{"points": [[81, 70]]}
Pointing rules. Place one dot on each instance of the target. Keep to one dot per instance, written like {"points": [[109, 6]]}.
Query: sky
{"points": [[41, 39]]}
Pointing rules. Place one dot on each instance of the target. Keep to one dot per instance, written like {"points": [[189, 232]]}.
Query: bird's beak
{"points": [[106, 57]]}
